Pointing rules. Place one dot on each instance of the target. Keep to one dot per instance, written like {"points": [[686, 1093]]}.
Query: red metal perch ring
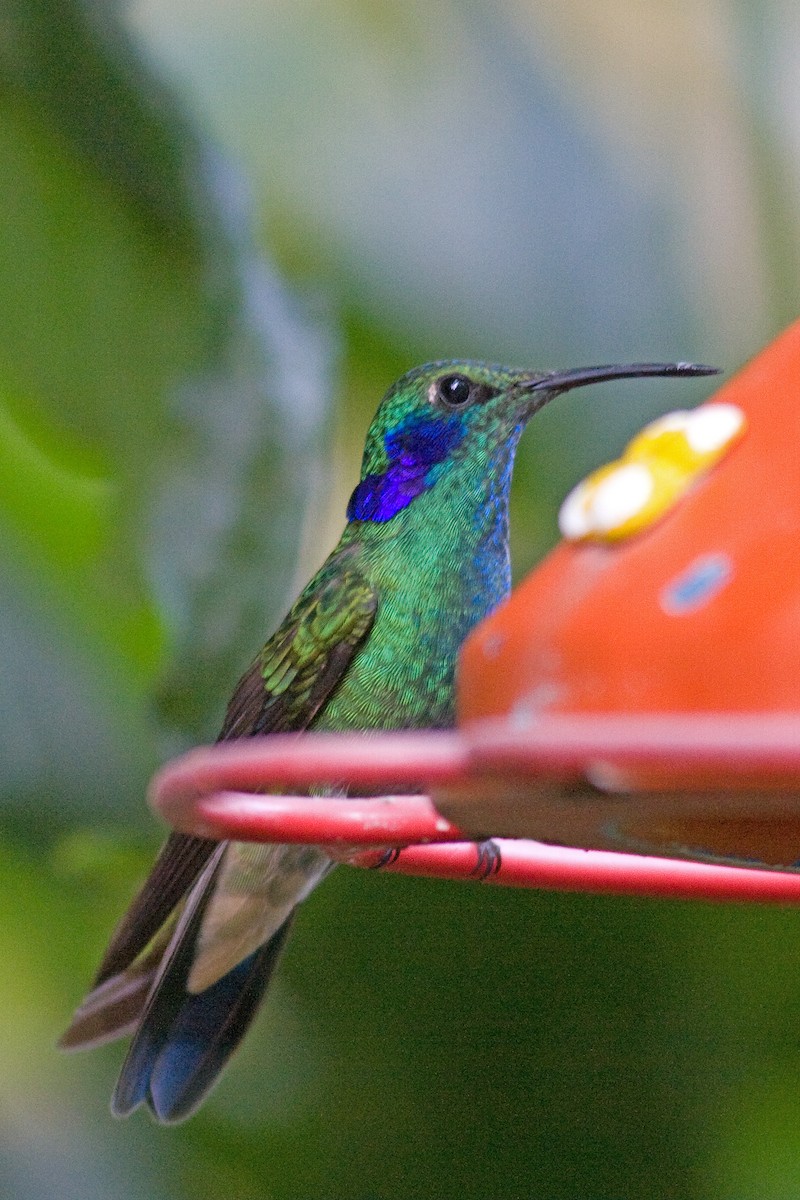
{"points": [[201, 793]]}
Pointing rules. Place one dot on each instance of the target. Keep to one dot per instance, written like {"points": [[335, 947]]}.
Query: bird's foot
{"points": [[385, 858], [489, 860], [365, 856]]}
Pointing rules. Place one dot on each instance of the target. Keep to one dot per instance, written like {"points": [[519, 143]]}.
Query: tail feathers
{"points": [[184, 1039], [113, 1009], [206, 1031], [166, 995], [133, 959]]}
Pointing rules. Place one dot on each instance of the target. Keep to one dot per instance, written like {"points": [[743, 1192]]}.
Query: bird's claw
{"points": [[385, 858], [489, 860]]}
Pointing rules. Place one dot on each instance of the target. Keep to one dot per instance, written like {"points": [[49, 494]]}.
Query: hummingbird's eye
{"points": [[455, 390]]}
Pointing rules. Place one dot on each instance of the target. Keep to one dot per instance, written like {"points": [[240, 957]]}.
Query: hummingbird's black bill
{"points": [[562, 381]]}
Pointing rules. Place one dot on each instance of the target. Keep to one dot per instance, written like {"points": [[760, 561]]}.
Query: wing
{"points": [[283, 690], [179, 863], [301, 664]]}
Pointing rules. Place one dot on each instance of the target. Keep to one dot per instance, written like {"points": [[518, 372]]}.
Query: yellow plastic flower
{"points": [[655, 470]]}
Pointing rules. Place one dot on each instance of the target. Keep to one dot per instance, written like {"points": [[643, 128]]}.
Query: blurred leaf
{"points": [[153, 375], [102, 862], [76, 64], [48, 494]]}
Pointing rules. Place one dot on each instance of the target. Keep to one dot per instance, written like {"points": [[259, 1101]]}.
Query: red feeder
{"points": [[673, 654], [636, 694]]}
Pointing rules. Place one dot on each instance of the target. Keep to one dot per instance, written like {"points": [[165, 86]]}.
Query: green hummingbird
{"points": [[370, 644]]}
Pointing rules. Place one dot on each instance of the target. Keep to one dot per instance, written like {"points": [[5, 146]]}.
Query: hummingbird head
{"points": [[459, 412]]}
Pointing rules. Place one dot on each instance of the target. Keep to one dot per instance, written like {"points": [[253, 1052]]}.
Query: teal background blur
{"points": [[224, 229]]}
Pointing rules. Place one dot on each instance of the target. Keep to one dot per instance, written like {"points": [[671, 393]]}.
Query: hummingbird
{"points": [[370, 644]]}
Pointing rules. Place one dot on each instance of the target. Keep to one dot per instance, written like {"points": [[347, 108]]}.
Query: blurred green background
{"points": [[224, 229]]}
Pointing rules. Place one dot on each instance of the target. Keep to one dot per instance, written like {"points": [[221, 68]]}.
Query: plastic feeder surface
{"points": [[695, 617]]}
